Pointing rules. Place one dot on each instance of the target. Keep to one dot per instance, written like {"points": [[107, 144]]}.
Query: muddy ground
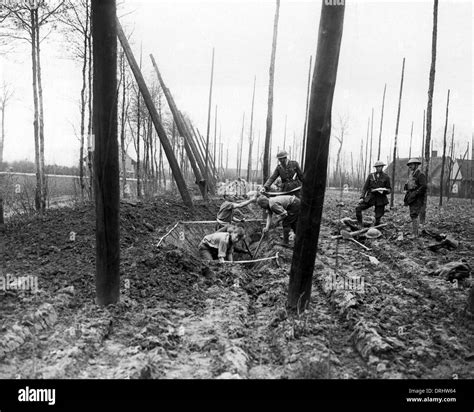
{"points": [[181, 318]]}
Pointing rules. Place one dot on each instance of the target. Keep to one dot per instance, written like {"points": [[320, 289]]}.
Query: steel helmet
{"points": [[373, 233], [379, 163], [411, 161], [282, 154]]}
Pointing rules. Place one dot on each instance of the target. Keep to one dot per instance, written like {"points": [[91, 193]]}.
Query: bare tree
{"points": [[19, 18], [77, 20], [343, 125]]}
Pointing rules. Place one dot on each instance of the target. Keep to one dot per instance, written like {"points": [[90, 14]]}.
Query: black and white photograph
{"points": [[259, 200]]}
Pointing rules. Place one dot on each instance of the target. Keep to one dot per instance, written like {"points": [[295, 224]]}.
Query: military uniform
{"points": [[375, 180], [290, 174], [416, 189]]}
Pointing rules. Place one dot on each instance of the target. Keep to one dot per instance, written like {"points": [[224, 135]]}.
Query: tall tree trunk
{"points": [[423, 142], [392, 193], [39, 183], [241, 145], [106, 158], [139, 182], [208, 127], [381, 121], [90, 152], [41, 115], [319, 131], [443, 161], [371, 137], [306, 113], [249, 163], [83, 107], [366, 163], [215, 142], [268, 132], [429, 109]]}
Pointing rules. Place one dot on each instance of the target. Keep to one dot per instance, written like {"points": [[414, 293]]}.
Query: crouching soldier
{"points": [[226, 214], [220, 245], [287, 209], [415, 193], [374, 193]]}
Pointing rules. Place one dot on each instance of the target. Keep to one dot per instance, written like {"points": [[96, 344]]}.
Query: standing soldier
{"points": [[374, 193], [290, 173], [287, 209], [416, 189]]}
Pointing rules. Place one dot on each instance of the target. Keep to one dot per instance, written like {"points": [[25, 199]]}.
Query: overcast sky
{"points": [[181, 35]]}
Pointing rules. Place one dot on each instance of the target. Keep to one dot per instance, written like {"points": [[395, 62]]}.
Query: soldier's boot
{"points": [[286, 235], [414, 227], [359, 219]]}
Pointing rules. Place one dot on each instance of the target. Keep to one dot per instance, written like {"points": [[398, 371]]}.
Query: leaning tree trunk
{"points": [[429, 109], [123, 119], [319, 132], [106, 158], [268, 132]]}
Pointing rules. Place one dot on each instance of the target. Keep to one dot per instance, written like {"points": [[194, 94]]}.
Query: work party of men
{"points": [[283, 206]]}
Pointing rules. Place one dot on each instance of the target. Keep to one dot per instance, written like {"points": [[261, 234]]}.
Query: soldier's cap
{"points": [[373, 233], [414, 160], [379, 163], [281, 155]]}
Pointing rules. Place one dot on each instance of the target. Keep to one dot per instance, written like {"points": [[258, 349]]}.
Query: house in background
{"points": [[401, 173], [461, 182]]}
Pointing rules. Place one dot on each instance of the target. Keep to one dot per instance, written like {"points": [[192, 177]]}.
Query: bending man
{"points": [[287, 209], [220, 245]]}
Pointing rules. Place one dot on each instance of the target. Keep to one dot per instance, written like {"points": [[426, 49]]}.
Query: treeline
{"points": [[25, 166]]}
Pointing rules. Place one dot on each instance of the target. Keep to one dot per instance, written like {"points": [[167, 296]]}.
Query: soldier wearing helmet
{"points": [[374, 193], [415, 193], [289, 172]]}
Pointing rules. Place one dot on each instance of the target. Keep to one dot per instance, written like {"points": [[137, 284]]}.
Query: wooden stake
{"points": [[249, 163], [209, 125], [429, 110], [443, 162], [396, 134], [268, 131], [381, 122]]}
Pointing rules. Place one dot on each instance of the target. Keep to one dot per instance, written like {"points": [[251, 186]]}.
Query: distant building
{"points": [[458, 171]]}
